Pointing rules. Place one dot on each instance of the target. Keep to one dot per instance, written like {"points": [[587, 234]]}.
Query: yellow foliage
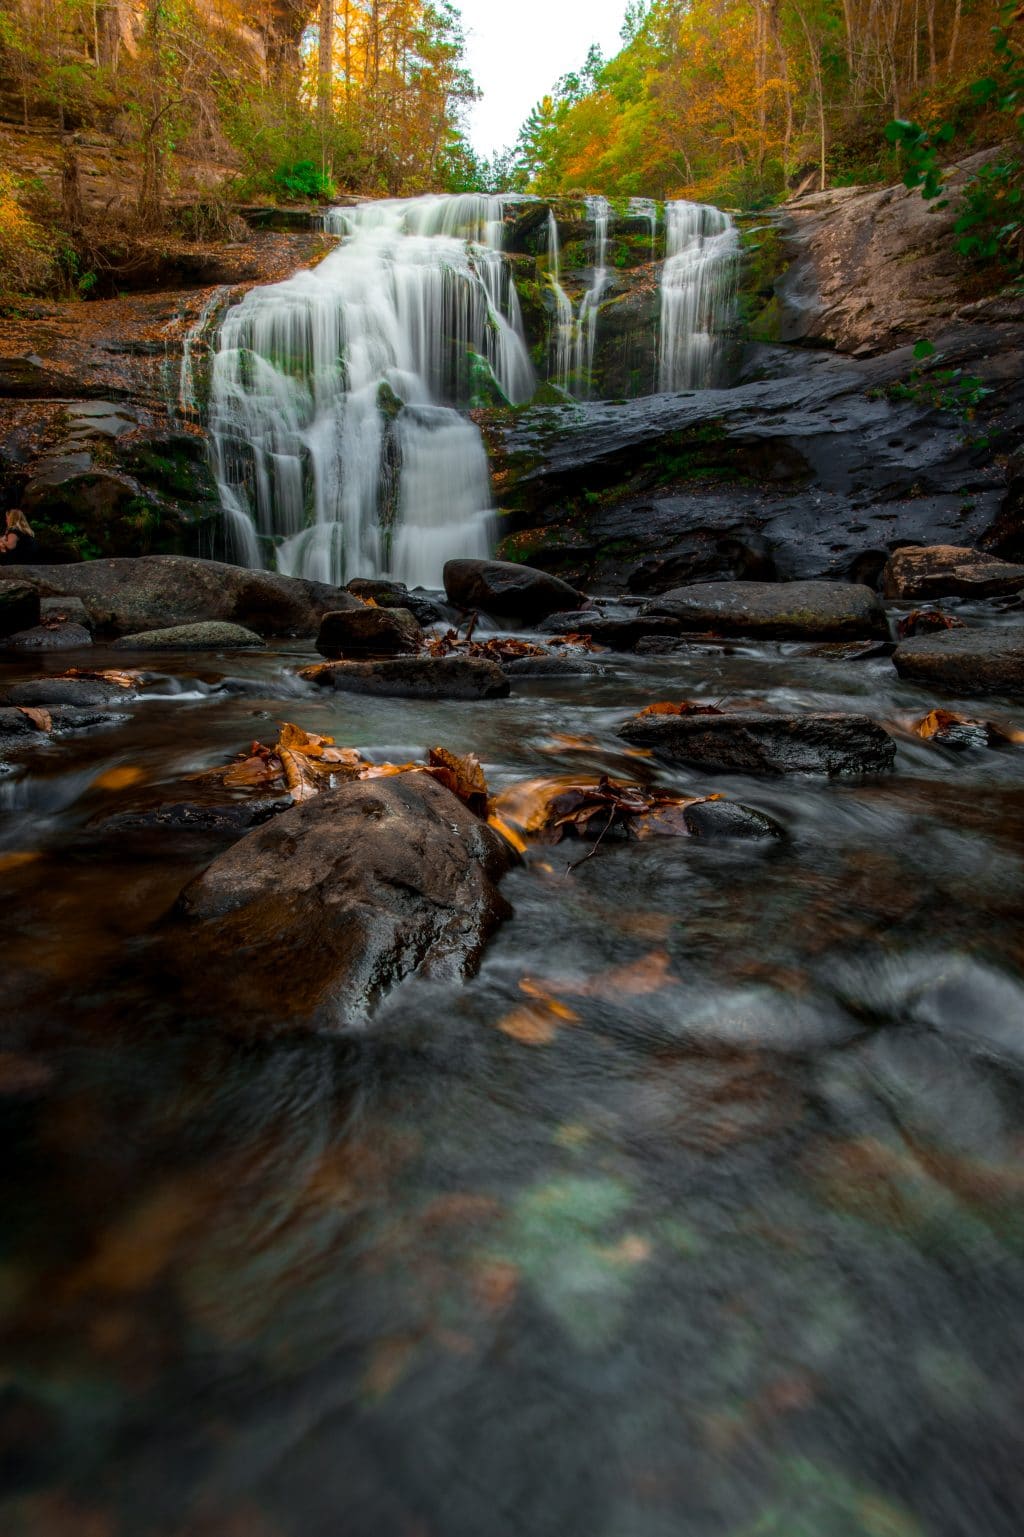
{"points": [[26, 255]]}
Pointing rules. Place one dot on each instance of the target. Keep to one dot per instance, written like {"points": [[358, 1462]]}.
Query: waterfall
{"points": [[698, 287], [337, 444], [599, 210], [561, 365], [187, 402], [646, 208]]}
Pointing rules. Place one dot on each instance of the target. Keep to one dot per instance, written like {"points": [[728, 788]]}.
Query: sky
{"points": [[517, 51]]}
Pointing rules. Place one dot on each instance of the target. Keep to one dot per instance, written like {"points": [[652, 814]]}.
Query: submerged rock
{"points": [[313, 919], [122, 597], [749, 742], [948, 570], [507, 590], [420, 677], [721, 820], [964, 662], [775, 610], [48, 693], [369, 632], [19, 732], [567, 665], [211, 636]]}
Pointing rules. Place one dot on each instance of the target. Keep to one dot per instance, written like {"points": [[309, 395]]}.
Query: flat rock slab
{"points": [[507, 589], [775, 610], [619, 631], [80, 693], [18, 732], [949, 570], [966, 662], [749, 742], [567, 666], [311, 920], [150, 592], [211, 636], [369, 632], [449, 677]]}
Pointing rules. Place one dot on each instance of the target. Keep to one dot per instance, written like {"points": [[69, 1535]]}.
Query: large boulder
{"points": [[414, 677], [311, 920], [507, 590], [966, 662], [151, 592], [774, 610], [210, 636], [49, 637], [949, 570], [749, 742], [369, 632]]}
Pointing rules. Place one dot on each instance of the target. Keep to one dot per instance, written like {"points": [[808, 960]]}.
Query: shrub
{"points": [[27, 258]]}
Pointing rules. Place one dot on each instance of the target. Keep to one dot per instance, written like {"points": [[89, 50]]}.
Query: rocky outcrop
{"points": [[944, 570], [312, 920], [966, 662], [774, 611], [749, 742], [873, 267], [507, 590], [123, 597]]}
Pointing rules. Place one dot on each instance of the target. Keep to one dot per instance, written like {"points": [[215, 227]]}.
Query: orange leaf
{"points": [[683, 707], [119, 778], [41, 719], [14, 861], [463, 776], [531, 1025]]}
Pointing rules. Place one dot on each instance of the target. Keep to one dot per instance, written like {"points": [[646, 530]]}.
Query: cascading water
{"points": [[562, 341], [698, 289], [337, 445], [646, 208], [599, 210]]}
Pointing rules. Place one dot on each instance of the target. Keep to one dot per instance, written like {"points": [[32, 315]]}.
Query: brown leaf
{"points": [[41, 719], [121, 778], [955, 730], [545, 809], [463, 776], [123, 679], [683, 707], [530, 1025], [923, 621], [258, 770]]}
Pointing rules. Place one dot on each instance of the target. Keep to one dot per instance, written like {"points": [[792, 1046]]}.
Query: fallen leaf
{"points": [[534, 989], [951, 729], [119, 778], [123, 679], [545, 809], [41, 719], [923, 621], [463, 776], [531, 1025], [14, 861], [682, 707]]}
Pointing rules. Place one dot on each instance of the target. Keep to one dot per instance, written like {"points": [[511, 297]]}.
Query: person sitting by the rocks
{"points": [[17, 545]]}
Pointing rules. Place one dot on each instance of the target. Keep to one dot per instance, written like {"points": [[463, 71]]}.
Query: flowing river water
{"points": [[735, 1249]]}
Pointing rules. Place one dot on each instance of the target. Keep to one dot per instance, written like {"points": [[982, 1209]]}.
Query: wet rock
{"points": [[18, 732], [720, 820], [749, 742], [50, 637], [19, 606], [210, 636], [231, 819], [947, 570], [369, 632], [507, 590], [568, 665], [50, 693], [965, 662], [396, 595], [619, 631], [152, 592], [775, 610], [421, 677], [312, 920], [64, 611]]}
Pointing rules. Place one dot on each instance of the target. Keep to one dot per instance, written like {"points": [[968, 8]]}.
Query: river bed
{"points": [[730, 1242]]}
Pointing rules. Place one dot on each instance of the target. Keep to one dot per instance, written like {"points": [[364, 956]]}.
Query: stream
{"points": [[732, 1247]]}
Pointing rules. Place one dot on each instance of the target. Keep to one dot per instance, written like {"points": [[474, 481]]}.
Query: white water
{"points": [[565, 324], [337, 447], [188, 403], [698, 289], [574, 336]]}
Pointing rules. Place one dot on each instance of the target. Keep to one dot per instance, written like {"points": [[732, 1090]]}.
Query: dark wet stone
{"points": [[421, 677], [369, 632], [775, 610], [421, 605], [507, 590], [152, 592], [568, 666], [45, 637], [619, 631], [64, 611], [747, 741], [19, 606], [946, 570], [46, 693], [19, 733], [965, 662], [211, 636], [716, 820], [231, 818], [312, 920]]}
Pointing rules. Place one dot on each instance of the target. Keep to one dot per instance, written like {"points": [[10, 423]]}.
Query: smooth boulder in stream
{"points": [[414, 677], [966, 662], [774, 610], [749, 742], [311, 920], [507, 590]]}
